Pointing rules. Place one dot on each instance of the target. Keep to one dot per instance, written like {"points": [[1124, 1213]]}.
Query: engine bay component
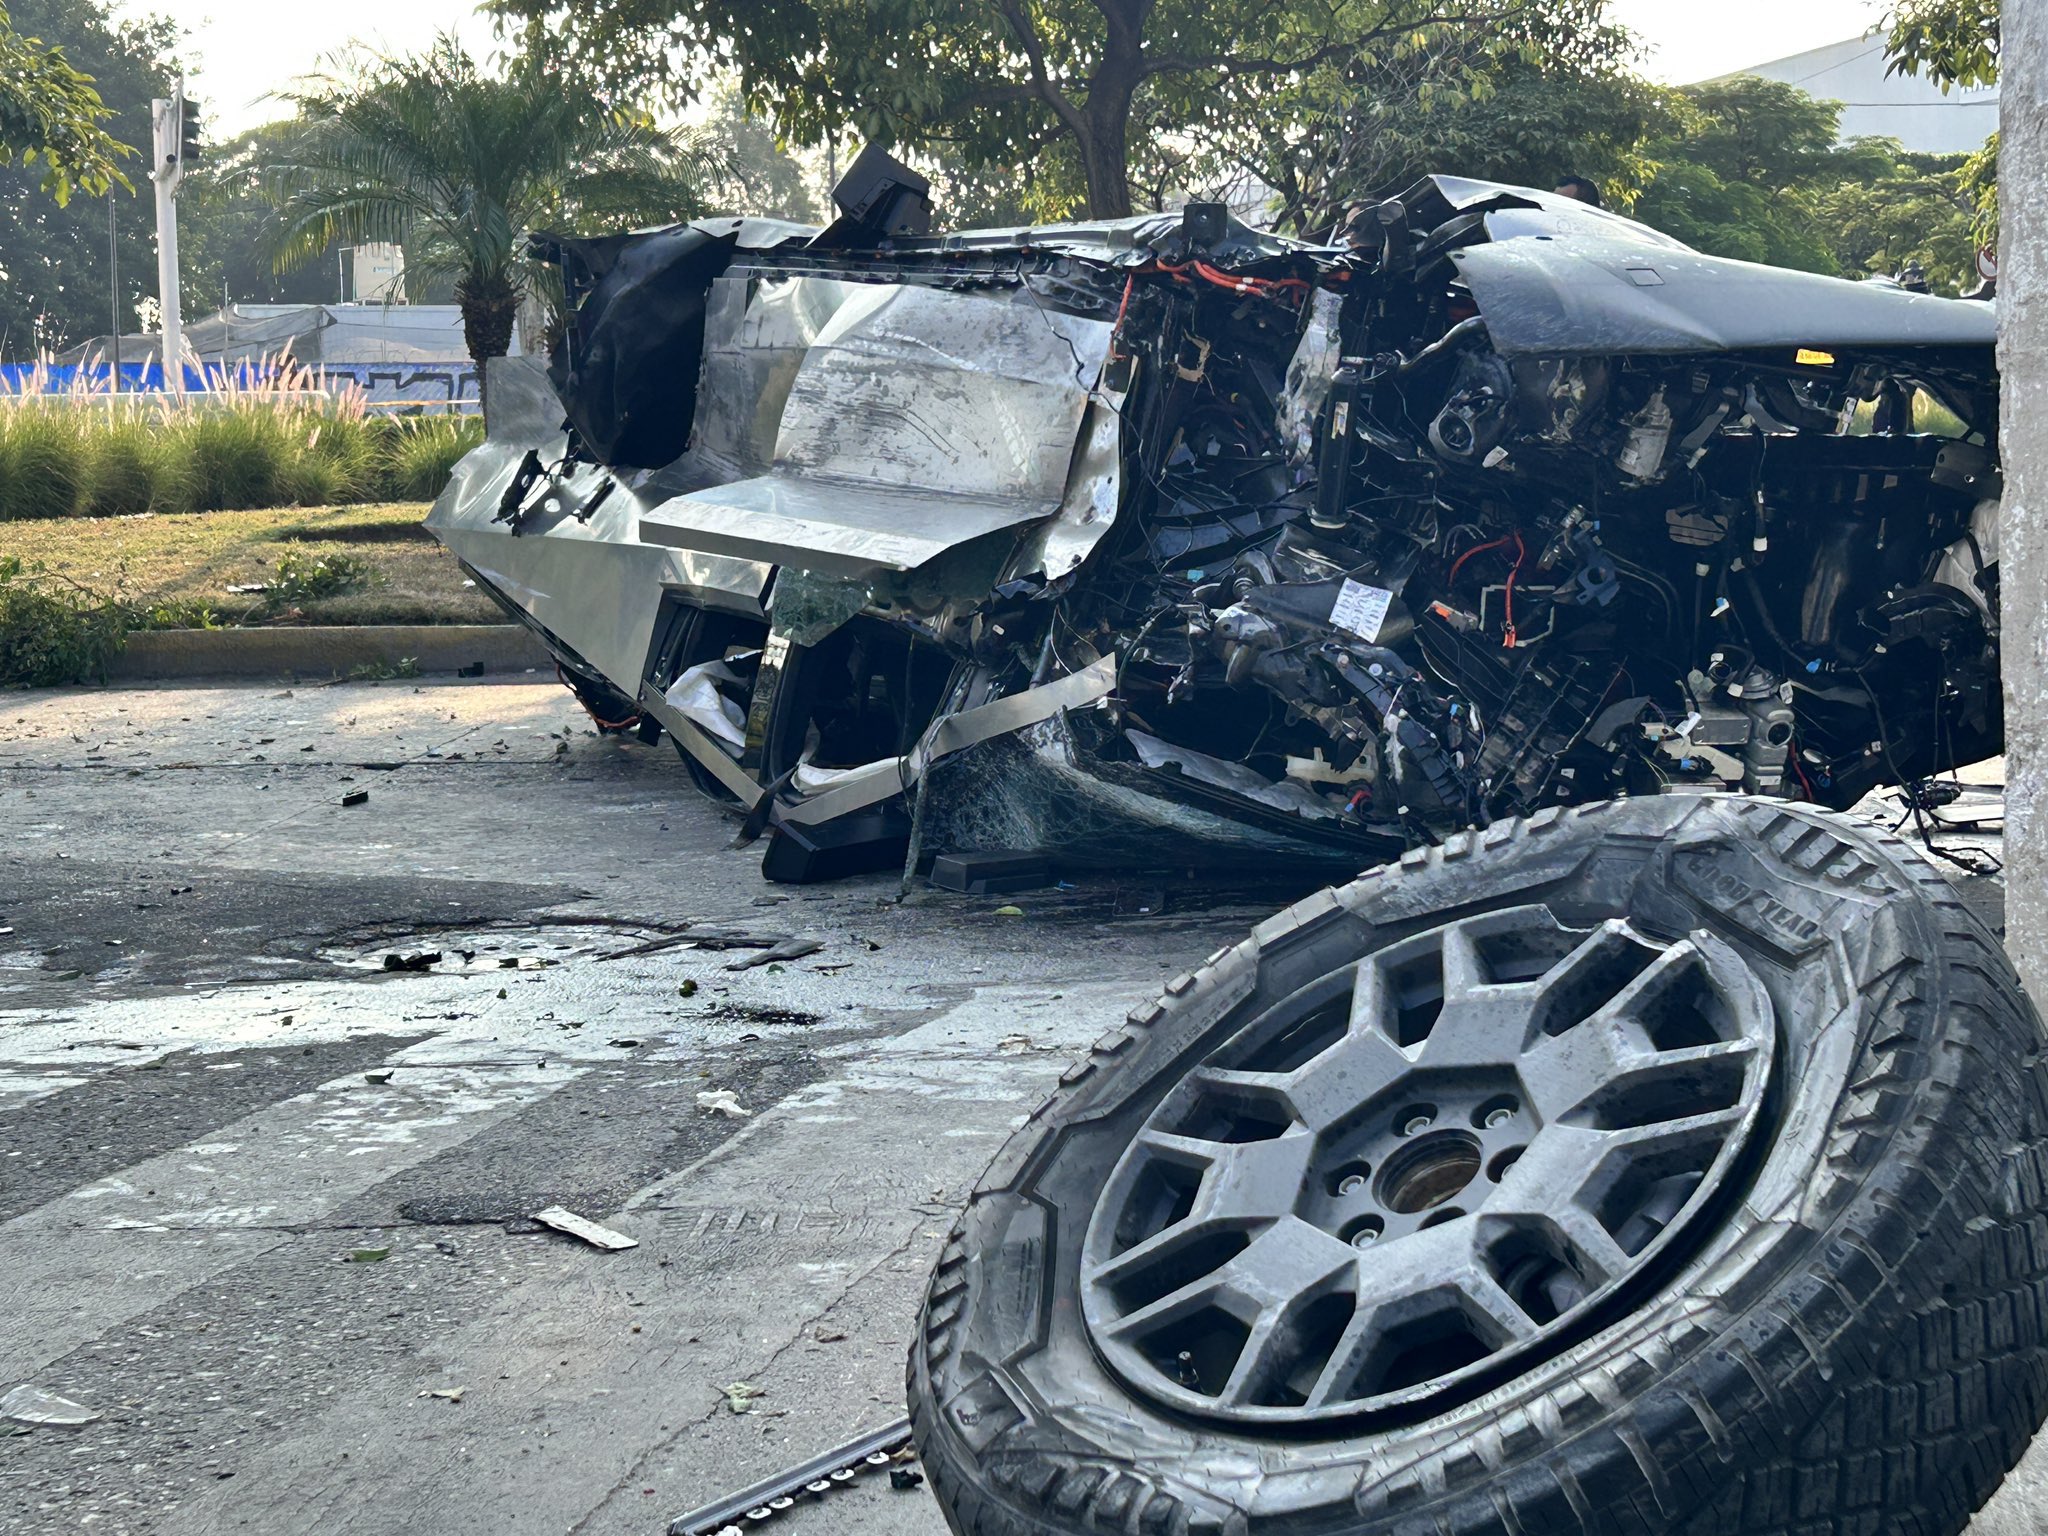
{"points": [[1516, 504]]}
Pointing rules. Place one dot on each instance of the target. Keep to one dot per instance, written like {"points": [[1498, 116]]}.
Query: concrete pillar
{"points": [[2023, 433]]}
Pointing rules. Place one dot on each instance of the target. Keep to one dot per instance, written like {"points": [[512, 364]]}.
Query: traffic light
{"points": [[188, 132]]}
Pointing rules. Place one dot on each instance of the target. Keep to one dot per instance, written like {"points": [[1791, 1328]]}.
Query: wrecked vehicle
{"points": [[1606, 1158], [1169, 542]]}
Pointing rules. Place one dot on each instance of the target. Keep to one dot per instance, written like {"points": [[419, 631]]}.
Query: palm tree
{"points": [[458, 164]]}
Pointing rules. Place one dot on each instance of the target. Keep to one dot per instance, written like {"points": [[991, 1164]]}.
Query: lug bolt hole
{"points": [[1495, 1113], [1498, 1168], [1350, 1179], [1416, 1119], [1364, 1232]]}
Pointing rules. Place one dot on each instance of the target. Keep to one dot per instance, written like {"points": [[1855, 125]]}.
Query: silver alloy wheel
{"points": [[1425, 1167]]}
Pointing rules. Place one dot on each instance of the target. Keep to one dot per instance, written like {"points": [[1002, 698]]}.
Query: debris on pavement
{"points": [[425, 961], [839, 1467], [447, 1394], [903, 1479], [740, 1395], [787, 949], [722, 1101], [37, 1405], [356, 797], [369, 1255], [382, 1075], [582, 1226]]}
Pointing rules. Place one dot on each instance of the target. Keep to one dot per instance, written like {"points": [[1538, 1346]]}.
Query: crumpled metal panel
{"points": [[757, 331], [918, 420], [1558, 277], [828, 527], [976, 395], [591, 583]]}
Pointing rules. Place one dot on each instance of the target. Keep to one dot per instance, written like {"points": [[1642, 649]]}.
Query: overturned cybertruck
{"points": [[1170, 542]]}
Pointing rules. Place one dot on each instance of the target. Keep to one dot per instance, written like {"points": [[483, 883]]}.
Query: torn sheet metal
{"points": [[858, 531], [869, 785], [1138, 538], [915, 421]]}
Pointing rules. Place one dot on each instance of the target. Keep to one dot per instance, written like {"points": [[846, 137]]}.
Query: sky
{"points": [[246, 49]]}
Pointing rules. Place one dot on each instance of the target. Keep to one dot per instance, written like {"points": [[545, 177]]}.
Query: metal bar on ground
{"points": [[768, 1498]]}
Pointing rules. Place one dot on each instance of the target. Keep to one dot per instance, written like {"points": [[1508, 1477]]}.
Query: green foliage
{"points": [[132, 465], [1088, 86], [761, 176], [43, 463], [302, 577], [54, 283], [459, 164], [422, 450], [1750, 168], [54, 631], [235, 458], [62, 457], [1952, 42], [1524, 99], [51, 115]]}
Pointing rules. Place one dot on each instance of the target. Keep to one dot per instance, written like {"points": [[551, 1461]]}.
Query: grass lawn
{"points": [[196, 557]]}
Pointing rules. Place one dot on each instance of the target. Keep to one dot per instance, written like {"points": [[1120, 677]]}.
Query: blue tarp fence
{"points": [[442, 385]]}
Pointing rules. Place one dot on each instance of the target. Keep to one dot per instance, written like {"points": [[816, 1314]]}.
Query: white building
{"points": [[379, 274], [1909, 108]]}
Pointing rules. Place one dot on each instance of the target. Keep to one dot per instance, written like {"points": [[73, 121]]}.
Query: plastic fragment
{"points": [[582, 1226], [740, 1395], [723, 1101], [37, 1405], [369, 1255]]}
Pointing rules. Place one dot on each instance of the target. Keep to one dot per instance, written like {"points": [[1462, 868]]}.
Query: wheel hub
{"points": [[1425, 1168]]}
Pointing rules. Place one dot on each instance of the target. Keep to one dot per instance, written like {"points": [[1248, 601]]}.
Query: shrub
{"points": [[54, 631], [264, 435], [134, 466], [424, 452], [335, 460], [301, 577], [43, 456], [235, 458]]}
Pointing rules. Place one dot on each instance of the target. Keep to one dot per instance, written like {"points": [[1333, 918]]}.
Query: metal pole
{"points": [[167, 117], [2023, 521], [114, 293]]}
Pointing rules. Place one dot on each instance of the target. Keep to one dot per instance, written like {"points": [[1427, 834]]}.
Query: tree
{"points": [[997, 84], [49, 112], [762, 177], [1752, 168], [54, 283], [1952, 42], [1739, 170], [1523, 100], [458, 164]]}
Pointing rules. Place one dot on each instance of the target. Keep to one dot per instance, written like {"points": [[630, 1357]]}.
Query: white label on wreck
{"points": [[1360, 609]]}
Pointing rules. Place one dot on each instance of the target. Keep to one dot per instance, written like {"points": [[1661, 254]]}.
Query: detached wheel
{"points": [[1675, 1165]]}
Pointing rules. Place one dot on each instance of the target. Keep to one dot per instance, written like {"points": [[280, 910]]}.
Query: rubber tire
{"points": [[1858, 1348]]}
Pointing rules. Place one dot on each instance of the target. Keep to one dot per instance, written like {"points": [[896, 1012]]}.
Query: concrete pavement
{"points": [[217, 1104]]}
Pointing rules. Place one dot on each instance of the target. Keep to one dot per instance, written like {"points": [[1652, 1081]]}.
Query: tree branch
{"points": [[1026, 31]]}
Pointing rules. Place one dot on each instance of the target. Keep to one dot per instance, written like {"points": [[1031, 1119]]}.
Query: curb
{"points": [[326, 651]]}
